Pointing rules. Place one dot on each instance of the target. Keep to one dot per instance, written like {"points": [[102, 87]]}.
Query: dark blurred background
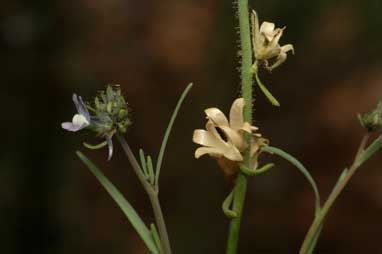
{"points": [[49, 201]]}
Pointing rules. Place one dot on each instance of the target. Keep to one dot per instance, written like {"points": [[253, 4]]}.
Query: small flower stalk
{"points": [[109, 116], [224, 140], [265, 42]]}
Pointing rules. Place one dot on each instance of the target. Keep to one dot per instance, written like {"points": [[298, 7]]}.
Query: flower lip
{"points": [[80, 120], [81, 107], [214, 145], [268, 30]]}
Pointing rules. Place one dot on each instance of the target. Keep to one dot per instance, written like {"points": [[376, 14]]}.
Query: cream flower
{"points": [[224, 140], [265, 40]]}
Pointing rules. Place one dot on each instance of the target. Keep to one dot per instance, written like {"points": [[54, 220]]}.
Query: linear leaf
{"points": [[300, 167], [125, 206], [143, 163], [150, 169], [266, 92], [168, 131], [370, 151]]}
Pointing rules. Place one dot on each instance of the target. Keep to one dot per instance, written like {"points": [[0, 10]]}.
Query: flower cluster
{"points": [[372, 121], [111, 112], [265, 40], [225, 140], [109, 115]]}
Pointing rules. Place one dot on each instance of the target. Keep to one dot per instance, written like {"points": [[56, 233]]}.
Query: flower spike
{"points": [[110, 116]]}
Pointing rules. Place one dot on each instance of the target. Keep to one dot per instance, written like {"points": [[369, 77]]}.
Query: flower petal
{"points": [[287, 47], [81, 107], [257, 40], [279, 60], [71, 127], [233, 154], [84, 110], [76, 102], [274, 43], [234, 137], [212, 151], [110, 146], [268, 30], [236, 114], [257, 143], [80, 120], [216, 116], [205, 138], [78, 123], [248, 128], [230, 152]]}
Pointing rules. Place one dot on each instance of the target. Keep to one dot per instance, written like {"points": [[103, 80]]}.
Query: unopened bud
{"points": [[372, 121]]}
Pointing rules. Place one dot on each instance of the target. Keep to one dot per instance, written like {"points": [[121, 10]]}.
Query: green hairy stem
{"points": [[240, 188]]}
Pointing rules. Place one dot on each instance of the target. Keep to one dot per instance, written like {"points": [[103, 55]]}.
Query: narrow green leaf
{"points": [[252, 172], [315, 239], [143, 163], [264, 168], [370, 151], [227, 203], [150, 169], [247, 171], [168, 131], [94, 147], [301, 168], [319, 230], [125, 206], [155, 234], [266, 92]]}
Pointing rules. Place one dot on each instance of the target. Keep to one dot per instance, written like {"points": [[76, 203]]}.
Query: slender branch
{"points": [[246, 89], [153, 196], [317, 223]]}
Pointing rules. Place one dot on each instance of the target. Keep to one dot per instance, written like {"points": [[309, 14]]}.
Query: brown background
{"points": [[50, 203]]}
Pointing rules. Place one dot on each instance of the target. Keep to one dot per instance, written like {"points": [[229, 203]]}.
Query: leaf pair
{"points": [[147, 168]]}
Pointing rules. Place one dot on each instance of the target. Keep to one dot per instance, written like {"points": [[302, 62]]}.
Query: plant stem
{"points": [[238, 205], [246, 89], [318, 221], [153, 196]]}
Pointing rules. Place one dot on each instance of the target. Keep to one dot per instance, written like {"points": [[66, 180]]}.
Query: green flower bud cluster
{"points": [[111, 112], [372, 121]]}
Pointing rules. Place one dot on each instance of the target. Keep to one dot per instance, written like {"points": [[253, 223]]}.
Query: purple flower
{"points": [[80, 120]]}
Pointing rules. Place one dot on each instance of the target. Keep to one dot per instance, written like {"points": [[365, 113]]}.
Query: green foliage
{"points": [[168, 131], [125, 206], [300, 167]]}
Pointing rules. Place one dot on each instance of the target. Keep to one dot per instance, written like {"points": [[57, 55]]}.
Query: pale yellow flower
{"points": [[224, 140], [265, 42]]}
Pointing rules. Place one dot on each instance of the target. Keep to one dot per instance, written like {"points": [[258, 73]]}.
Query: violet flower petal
{"points": [[110, 145]]}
